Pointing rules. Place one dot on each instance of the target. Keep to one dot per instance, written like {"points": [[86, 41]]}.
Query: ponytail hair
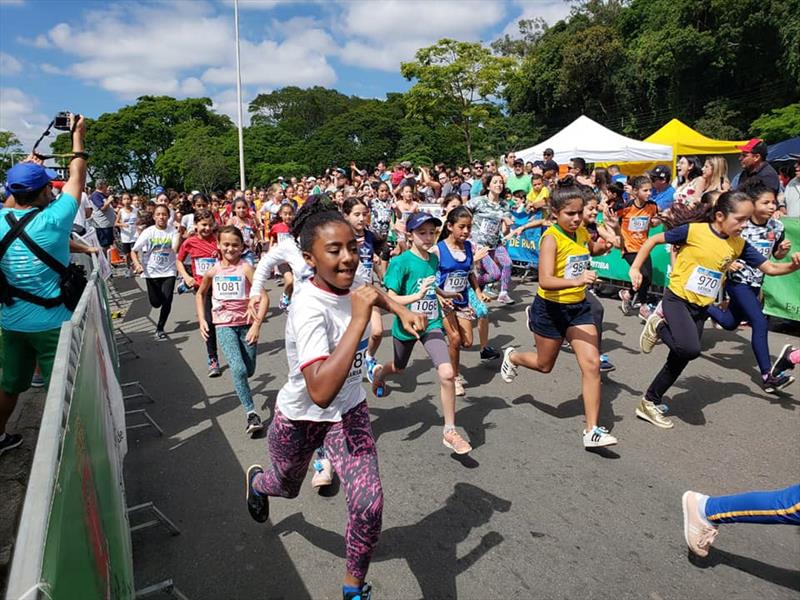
{"points": [[704, 212], [318, 210], [566, 190]]}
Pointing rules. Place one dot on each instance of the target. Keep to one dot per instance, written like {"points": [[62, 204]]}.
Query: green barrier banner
{"points": [[782, 294], [613, 267], [88, 547]]}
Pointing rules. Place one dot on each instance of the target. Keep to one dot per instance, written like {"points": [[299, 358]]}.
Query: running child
{"points": [[709, 240], [323, 401], [561, 311], [199, 202], [356, 212], [127, 216], [743, 284], [635, 221], [411, 280], [247, 225], [454, 276], [158, 244], [201, 248], [228, 284], [279, 231]]}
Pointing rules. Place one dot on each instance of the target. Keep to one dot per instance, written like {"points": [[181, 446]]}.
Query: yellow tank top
{"points": [[701, 264], [572, 259]]}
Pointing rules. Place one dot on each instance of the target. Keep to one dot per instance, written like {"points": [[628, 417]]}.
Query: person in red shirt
{"points": [[201, 247], [279, 232]]}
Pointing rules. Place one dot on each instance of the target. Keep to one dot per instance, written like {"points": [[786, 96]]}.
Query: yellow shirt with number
{"points": [[701, 264], [572, 259]]}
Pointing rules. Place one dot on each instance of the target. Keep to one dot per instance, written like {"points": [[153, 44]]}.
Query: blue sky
{"points": [[92, 56]]}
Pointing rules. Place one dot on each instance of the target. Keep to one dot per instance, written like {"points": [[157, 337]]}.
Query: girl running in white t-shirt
{"points": [[323, 402]]}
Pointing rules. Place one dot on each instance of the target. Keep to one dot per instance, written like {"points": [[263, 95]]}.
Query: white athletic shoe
{"points": [[598, 437], [508, 371]]}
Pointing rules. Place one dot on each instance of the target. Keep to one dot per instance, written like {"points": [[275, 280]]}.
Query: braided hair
{"points": [[318, 211]]}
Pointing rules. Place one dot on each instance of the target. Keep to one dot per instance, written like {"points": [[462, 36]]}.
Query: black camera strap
{"points": [[17, 231]]}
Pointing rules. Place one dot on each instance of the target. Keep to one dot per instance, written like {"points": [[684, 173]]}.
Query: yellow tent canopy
{"points": [[685, 140]]}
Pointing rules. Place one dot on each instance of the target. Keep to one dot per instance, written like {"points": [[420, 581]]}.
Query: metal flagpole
{"points": [[239, 96]]}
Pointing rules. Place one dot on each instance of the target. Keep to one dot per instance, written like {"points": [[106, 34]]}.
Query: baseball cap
{"points": [[28, 177], [340, 170], [310, 179], [519, 161], [548, 152], [417, 220], [661, 172], [159, 190], [406, 164], [755, 146]]}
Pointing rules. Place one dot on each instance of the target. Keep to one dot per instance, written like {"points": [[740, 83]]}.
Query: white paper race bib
{"points": [[638, 224], [764, 247], [356, 369], [229, 287], [576, 265], [159, 260], [428, 306], [704, 282], [456, 281], [489, 227], [202, 265]]}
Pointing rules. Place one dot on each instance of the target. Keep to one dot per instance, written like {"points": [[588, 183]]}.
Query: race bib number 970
{"points": [[704, 282]]}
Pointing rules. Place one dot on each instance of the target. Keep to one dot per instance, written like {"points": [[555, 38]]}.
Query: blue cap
{"points": [[27, 177], [417, 220], [159, 190]]}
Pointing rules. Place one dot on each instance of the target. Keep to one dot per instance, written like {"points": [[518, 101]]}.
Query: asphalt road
{"points": [[529, 514]]}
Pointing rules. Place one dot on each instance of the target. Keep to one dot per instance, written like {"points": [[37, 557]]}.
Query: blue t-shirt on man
{"points": [[51, 230], [663, 199]]}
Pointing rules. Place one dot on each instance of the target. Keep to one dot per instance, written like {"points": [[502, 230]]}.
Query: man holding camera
{"points": [[31, 329]]}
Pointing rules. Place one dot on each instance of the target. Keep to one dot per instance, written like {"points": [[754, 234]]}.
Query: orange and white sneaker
{"points": [[453, 440], [699, 533]]}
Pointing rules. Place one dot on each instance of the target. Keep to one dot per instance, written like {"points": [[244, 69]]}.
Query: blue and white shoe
{"points": [[365, 593], [371, 364], [598, 437], [284, 302], [605, 364]]}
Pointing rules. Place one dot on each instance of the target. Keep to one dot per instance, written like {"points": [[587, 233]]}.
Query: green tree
{"points": [[778, 124], [299, 111], [9, 146], [717, 122], [455, 85]]}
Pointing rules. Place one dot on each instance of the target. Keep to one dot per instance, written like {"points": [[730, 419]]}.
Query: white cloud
{"points": [[551, 11], [225, 104], [9, 65], [52, 69], [40, 41], [12, 2], [18, 114], [382, 35], [254, 4]]}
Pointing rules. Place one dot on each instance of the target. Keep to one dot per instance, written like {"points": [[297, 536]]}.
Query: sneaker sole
{"points": [[781, 357], [253, 428], [610, 369], [248, 478], [321, 484], [644, 416], [214, 374], [450, 446]]}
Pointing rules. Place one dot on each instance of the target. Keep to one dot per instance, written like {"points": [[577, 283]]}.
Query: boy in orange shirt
{"points": [[635, 221]]}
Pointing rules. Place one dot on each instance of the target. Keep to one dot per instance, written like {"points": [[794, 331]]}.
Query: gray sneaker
{"points": [[648, 411]]}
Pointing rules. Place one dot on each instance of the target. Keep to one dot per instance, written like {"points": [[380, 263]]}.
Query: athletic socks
{"points": [[701, 509]]}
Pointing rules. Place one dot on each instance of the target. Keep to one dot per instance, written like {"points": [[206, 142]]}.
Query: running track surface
{"points": [[530, 513]]}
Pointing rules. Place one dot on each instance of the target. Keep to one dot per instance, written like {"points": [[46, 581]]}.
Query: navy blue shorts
{"points": [[105, 235], [552, 319]]}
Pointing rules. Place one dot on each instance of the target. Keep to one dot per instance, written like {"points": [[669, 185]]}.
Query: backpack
{"points": [[73, 277]]}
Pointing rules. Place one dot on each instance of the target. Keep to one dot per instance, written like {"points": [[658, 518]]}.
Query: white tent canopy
{"points": [[594, 143]]}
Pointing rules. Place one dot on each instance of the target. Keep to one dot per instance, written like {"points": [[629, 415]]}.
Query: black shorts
{"points": [[126, 247], [552, 319], [105, 236]]}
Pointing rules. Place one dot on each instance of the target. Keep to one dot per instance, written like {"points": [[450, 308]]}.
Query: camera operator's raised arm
{"points": [[77, 166]]}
